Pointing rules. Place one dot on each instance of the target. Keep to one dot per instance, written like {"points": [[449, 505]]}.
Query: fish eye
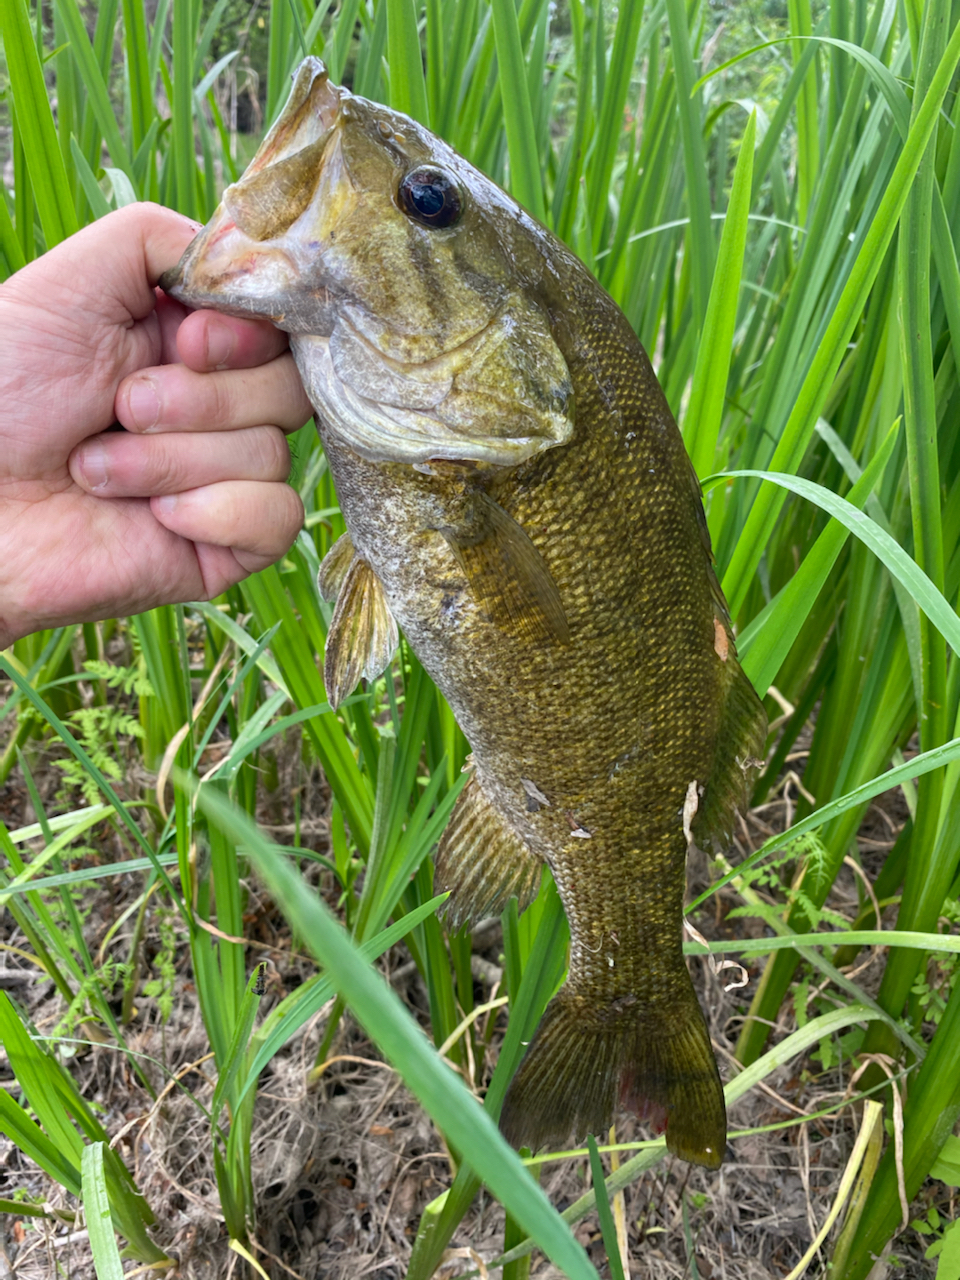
{"points": [[430, 197]]}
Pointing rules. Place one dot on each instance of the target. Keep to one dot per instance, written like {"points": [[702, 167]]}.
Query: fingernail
{"points": [[168, 503], [92, 459], [221, 341], [144, 403]]}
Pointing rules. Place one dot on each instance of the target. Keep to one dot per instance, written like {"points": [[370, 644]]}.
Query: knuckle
{"points": [[166, 470], [222, 409], [273, 459]]}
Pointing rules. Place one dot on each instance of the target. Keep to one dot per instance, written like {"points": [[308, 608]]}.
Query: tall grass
{"points": [[793, 269]]}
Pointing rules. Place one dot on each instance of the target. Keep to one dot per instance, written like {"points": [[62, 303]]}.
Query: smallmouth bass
{"points": [[519, 501]]}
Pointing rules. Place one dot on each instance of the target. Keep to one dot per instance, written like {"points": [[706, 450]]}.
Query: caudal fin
{"points": [[584, 1060]]}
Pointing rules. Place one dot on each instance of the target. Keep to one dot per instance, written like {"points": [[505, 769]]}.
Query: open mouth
{"points": [[237, 263]]}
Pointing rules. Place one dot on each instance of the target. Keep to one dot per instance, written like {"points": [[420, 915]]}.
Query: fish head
{"points": [[408, 281]]}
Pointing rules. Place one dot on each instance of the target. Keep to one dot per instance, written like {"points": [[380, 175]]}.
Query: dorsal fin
{"points": [[742, 735], [508, 576], [363, 633], [482, 861], [740, 744]]}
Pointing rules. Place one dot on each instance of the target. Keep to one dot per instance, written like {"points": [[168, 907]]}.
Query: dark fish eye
{"points": [[430, 197]]}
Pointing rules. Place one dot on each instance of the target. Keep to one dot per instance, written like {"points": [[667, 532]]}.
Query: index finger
{"points": [[207, 340]]}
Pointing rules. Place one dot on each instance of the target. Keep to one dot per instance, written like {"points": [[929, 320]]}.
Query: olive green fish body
{"points": [[519, 502]]}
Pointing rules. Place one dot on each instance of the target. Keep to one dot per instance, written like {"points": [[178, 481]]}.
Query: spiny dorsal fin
{"points": [[363, 634], [334, 568], [482, 861], [507, 574]]}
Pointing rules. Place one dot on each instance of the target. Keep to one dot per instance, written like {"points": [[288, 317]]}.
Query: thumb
{"points": [[114, 263]]}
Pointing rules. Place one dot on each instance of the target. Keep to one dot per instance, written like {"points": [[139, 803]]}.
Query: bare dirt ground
{"points": [[343, 1170]]}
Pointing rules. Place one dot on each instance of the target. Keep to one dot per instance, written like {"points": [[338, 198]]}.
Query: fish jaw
{"points": [[252, 258], [413, 343]]}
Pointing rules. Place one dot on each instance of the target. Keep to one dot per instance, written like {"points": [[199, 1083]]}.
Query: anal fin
{"points": [[482, 861], [363, 634]]}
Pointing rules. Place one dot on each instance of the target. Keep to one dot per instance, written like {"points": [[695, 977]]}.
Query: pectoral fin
{"points": [[363, 634], [508, 576], [334, 568]]}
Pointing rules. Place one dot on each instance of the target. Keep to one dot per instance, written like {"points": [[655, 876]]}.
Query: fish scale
{"points": [[535, 529]]}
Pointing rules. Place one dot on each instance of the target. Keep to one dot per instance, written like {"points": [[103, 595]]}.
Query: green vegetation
{"points": [[785, 243]]}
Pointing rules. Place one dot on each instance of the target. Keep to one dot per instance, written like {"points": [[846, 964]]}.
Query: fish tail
{"points": [[583, 1061]]}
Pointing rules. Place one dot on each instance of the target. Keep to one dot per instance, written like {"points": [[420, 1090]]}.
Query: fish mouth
{"points": [[241, 262]]}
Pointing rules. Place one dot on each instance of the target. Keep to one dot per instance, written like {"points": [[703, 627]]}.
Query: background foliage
{"points": [[782, 233]]}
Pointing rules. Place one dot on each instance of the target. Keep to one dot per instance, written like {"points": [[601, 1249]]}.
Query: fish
{"points": [[518, 501]]}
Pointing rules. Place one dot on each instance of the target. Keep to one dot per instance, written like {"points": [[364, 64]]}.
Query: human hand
{"points": [[190, 498]]}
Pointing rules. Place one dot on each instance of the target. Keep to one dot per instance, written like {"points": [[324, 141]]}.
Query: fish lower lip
{"points": [[171, 279]]}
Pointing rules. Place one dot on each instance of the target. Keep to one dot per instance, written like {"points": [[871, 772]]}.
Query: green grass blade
{"points": [[607, 1228], [34, 1143], [182, 142], [525, 180], [35, 127], [925, 882], [931, 1112], [541, 976], [408, 87], [948, 943], [700, 235], [137, 59], [41, 1080], [915, 768], [10, 246], [157, 33], [83, 823], [96, 1212], [91, 187], [701, 424], [237, 1051], [610, 127], [766, 641], [895, 559], [296, 662], [265, 661], [808, 140], [383, 1016], [80, 754], [286, 1018]]}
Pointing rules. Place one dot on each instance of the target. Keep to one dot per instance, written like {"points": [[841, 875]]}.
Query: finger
{"points": [[208, 341], [120, 258], [120, 465], [174, 398], [170, 317], [257, 521]]}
